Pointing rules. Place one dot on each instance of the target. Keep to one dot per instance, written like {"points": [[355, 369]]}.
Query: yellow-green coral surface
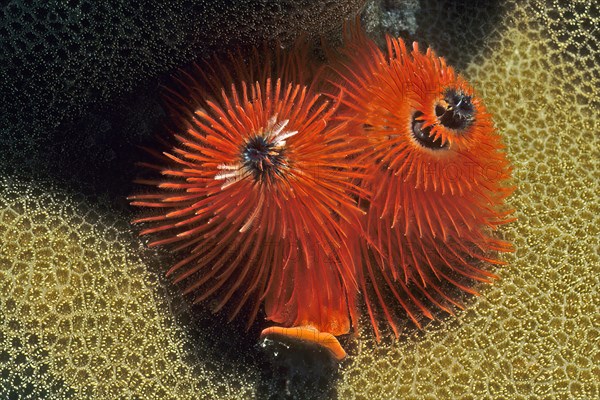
{"points": [[86, 313]]}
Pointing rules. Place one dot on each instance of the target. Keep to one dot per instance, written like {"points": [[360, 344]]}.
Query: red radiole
{"points": [[254, 193], [436, 174]]}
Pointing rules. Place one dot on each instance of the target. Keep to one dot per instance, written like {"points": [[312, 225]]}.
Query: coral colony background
{"points": [[85, 311]]}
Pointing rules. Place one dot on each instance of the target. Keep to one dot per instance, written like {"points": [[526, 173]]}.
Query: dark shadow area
{"points": [[94, 155], [295, 370], [210, 342], [458, 30]]}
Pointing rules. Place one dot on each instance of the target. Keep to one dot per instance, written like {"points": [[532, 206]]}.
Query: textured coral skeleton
{"points": [[532, 334]]}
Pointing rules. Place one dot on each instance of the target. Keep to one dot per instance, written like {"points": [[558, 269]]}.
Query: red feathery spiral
{"points": [[254, 194], [437, 177]]}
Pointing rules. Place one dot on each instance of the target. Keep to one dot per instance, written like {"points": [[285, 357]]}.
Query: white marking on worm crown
{"points": [[274, 133]]}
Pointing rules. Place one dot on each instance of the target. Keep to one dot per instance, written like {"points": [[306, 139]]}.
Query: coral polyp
{"points": [[254, 194], [437, 178]]}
